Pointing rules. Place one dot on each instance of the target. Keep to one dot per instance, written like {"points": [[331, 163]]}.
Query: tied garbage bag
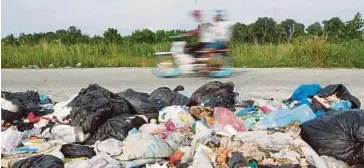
{"points": [[40, 161], [168, 97], [76, 150], [144, 146], [178, 115], [214, 94], [140, 101], [283, 117], [94, 105], [224, 117], [339, 135], [116, 127], [341, 92]]}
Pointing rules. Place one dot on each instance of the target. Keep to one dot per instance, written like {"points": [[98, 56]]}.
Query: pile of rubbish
{"points": [[314, 127]]}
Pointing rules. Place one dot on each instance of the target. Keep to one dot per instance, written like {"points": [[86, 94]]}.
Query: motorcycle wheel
{"points": [[164, 66], [225, 66]]}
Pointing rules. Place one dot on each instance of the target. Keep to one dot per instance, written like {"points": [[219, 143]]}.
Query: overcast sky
{"points": [[94, 16]]}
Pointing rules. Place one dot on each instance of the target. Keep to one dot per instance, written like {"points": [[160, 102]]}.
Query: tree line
{"points": [[263, 30]]}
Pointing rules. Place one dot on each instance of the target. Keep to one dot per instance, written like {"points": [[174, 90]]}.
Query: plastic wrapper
{"points": [[224, 117]]}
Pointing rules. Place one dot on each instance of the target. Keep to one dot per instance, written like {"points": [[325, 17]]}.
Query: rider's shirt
{"points": [[222, 31], [206, 33]]}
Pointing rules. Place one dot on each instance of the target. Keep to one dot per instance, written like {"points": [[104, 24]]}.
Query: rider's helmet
{"points": [[219, 15], [197, 15]]}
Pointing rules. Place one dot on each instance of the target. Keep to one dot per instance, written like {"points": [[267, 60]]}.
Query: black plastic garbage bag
{"points": [[164, 96], [341, 92], [76, 150], [11, 117], [94, 105], [28, 102], [116, 127], [215, 94], [140, 102], [340, 135], [22, 126], [40, 161]]}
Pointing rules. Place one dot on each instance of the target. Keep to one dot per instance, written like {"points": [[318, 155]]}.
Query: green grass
{"points": [[300, 53]]}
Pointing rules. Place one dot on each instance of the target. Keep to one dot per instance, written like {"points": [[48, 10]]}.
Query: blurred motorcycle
{"points": [[209, 62]]}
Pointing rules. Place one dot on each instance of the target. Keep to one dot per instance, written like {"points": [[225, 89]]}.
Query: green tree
{"points": [[265, 29], [143, 36], [240, 33], [292, 29], [354, 28], [315, 29], [111, 35], [334, 28]]}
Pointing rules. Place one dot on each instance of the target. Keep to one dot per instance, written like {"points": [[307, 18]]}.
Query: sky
{"points": [[93, 17]]}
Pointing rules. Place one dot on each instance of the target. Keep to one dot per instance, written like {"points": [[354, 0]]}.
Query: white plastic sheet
{"points": [[10, 139]]}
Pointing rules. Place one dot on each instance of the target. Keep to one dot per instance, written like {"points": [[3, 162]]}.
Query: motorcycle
{"points": [[212, 63]]}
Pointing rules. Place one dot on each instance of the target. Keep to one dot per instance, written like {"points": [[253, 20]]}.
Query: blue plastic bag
{"points": [[246, 110], [283, 117], [305, 91], [341, 105]]}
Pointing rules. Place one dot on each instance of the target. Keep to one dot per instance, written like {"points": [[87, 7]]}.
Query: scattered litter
{"points": [[314, 127]]}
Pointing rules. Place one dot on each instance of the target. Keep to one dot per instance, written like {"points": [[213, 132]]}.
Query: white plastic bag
{"points": [[9, 106], [110, 146], [276, 141], [61, 110], [333, 163], [67, 133], [152, 128], [137, 163], [10, 139], [178, 114], [287, 154], [100, 160], [144, 146], [78, 163], [201, 162]]}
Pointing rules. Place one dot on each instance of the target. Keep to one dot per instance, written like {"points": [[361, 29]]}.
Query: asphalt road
{"points": [[61, 84]]}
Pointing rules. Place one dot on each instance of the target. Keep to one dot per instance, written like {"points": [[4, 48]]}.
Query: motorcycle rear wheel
{"points": [[226, 67]]}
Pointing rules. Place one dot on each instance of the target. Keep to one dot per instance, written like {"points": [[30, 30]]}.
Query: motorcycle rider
{"points": [[204, 32]]}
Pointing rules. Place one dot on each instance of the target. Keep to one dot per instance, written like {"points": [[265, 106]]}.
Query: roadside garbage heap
{"points": [[315, 127]]}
